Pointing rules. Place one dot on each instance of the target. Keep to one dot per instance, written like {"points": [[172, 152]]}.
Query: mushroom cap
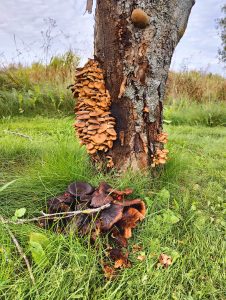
{"points": [[92, 151], [93, 127], [93, 121], [99, 138], [118, 237], [100, 198], [129, 220], [135, 203], [85, 198], [110, 216], [80, 188], [109, 144], [111, 131], [94, 113], [83, 117], [80, 124], [162, 161], [89, 146], [58, 204], [103, 128], [127, 191], [82, 112], [120, 259], [104, 187]]}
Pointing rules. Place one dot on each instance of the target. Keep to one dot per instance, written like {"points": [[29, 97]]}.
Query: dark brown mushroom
{"points": [[80, 188], [110, 216], [57, 204], [120, 193], [104, 187], [100, 198], [118, 238], [85, 198], [120, 259]]}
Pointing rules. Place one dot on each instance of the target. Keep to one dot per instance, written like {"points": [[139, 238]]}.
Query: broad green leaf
{"points": [[40, 238], [170, 217], [167, 121], [2, 188], [174, 219], [200, 221], [20, 212], [38, 254], [163, 195], [175, 255]]}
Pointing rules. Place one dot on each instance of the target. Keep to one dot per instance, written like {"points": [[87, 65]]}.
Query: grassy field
{"points": [[184, 219]]}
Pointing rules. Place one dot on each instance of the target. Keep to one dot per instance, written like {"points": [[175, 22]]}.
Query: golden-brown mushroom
{"points": [[99, 138]]}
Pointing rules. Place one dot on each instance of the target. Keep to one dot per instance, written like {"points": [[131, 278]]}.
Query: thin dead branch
{"points": [[18, 134], [56, 216], [19, 249]]}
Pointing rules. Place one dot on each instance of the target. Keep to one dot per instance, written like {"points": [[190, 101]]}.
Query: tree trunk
{"points": [[134, 48]]}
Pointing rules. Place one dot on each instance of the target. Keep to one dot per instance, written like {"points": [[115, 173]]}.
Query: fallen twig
{"points": [[20, 250], [18, 134], [56, 215]]}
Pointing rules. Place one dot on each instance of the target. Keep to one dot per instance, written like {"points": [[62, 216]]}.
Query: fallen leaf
{"points": [[136, 248], [20, 212], [109, 271], [165, 260], [141, 256]]}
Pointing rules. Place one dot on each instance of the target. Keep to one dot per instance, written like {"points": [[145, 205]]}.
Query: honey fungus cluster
{"points": [[94, 123], [162, 137], [160, 157]]}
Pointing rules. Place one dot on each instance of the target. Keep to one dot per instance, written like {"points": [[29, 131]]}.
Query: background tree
{"points": [[222, 25], [134, 44]]}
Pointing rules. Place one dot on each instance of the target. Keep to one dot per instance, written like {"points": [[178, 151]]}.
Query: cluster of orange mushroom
{"points": [[160, 156], [94, 123], [162, 137]]}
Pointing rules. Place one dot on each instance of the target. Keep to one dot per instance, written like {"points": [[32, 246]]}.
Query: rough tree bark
{"points": [[136, 58]]}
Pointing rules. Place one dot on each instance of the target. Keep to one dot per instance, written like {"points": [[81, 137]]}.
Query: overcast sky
{"points": [[22, 21]]}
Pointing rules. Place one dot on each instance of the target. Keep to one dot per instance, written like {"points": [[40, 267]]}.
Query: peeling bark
{"points": [[136, 61]]}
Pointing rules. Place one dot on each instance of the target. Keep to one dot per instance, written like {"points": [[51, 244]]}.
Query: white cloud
{"points": [[24, 18]]}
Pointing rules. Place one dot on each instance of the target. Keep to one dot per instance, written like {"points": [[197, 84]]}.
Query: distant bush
{"points": [[195, 98], [195, 86], [38, 89]]}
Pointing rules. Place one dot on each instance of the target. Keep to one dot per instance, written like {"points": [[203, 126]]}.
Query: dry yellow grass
{"points": [[196, 86]]}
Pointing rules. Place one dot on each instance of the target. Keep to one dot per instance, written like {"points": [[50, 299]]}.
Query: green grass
{"points": [[184, 111], [190, 190]]}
